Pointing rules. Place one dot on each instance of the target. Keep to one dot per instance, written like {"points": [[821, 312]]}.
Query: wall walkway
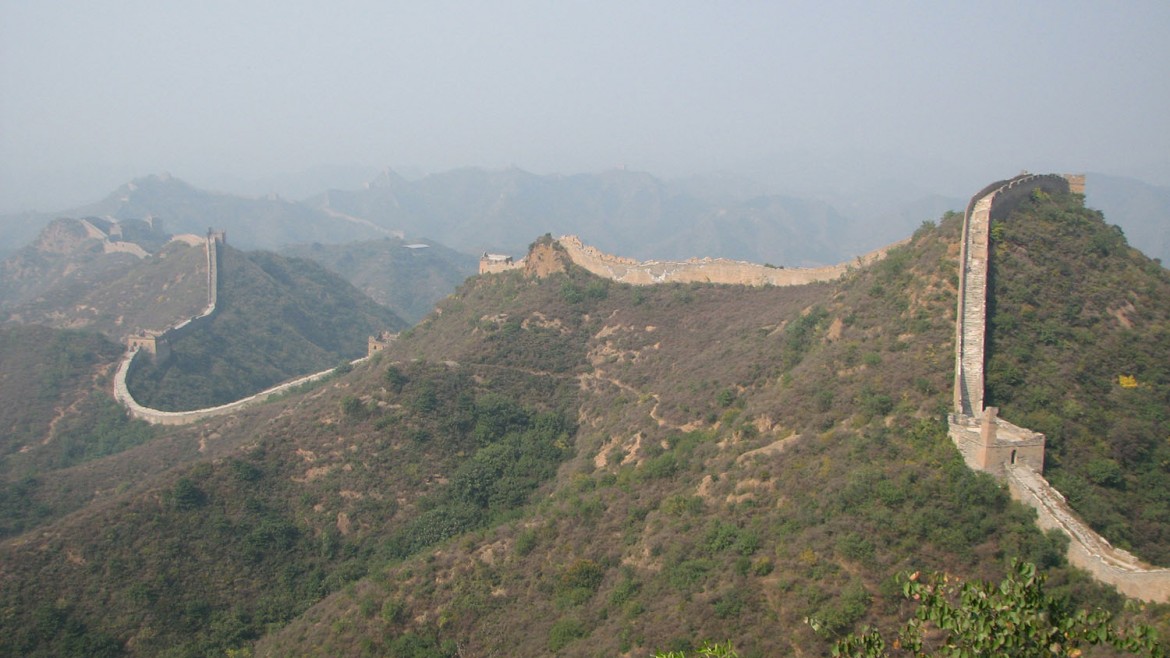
{"points": [[1015, 454]]}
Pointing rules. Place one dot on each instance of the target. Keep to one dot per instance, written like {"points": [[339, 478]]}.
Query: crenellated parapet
{"points": [[1013, 454]]}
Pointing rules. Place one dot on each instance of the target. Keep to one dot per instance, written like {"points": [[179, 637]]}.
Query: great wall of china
{"points": [[156, 344], [693, 270], [1012, 454]]}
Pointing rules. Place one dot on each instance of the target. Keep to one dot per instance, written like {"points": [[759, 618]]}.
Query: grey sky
{"points": [[255, 88]]}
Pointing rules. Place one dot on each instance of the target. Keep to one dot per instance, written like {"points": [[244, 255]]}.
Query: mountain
{"points": [[408, 277], [561, 464], [619, 211], [74, 275], [249, 222], [821, 214], [276, 318], [177, 207]]}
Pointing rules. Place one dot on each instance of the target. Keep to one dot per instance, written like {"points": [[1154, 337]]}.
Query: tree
{"points": [[1015, 619]]}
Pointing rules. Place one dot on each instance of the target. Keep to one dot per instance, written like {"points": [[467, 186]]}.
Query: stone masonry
{"points": [[1010, 453]]}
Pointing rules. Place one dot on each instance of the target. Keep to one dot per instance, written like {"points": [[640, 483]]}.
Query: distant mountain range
{"points": [[409, 277], [1140, 209], [630, 213]]}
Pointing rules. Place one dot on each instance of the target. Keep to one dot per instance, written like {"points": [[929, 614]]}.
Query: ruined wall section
{"points": [[704, 270]]}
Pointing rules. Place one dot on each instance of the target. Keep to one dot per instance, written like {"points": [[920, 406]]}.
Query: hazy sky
{"points": [[255, 88]]}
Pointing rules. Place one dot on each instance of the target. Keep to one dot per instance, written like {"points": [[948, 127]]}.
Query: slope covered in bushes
{"points": [[1079, 348], [558, 465]]}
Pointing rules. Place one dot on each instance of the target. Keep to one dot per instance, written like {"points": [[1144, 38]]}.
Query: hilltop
{"points": [[73, 275], [565, 464]]}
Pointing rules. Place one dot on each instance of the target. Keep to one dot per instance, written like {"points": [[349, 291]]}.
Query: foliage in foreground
{"points": [[1015, 619], [707, 651]]}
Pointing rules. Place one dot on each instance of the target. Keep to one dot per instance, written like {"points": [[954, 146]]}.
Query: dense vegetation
{"points": [[568, 466], [277, 318], [1015, 618], [57, 412], [1079, 348]]}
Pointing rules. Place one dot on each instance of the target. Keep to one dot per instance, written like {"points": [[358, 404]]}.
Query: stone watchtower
{"points": [[149, 342], [380, 342]]}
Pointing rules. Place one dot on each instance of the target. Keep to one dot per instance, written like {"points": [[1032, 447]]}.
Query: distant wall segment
{"points": [[159, 417], [704, 270], [137, 346]]}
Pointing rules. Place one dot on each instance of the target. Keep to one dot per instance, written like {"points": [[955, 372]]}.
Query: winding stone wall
{"points": [[157, 417], [162, 339], [1010, 453], [215, 241]]}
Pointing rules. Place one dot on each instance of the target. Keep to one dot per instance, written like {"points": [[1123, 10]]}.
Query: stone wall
{"points": [[136, 344], [157, 343], [994, 202], [1087, 550], [158, 417], [1010, 453], [704, 270]]}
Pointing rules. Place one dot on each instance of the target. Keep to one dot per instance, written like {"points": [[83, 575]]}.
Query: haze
{"points": [[945, 95]]}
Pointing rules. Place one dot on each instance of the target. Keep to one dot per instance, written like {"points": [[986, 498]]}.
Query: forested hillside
{"points": [[56, 412], [564, 465], [1079, 348], [276, 318]]}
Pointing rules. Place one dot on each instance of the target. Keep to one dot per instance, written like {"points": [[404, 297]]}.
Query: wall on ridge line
{"points": [[970, 333], [1017, 455], [704, 270]]}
